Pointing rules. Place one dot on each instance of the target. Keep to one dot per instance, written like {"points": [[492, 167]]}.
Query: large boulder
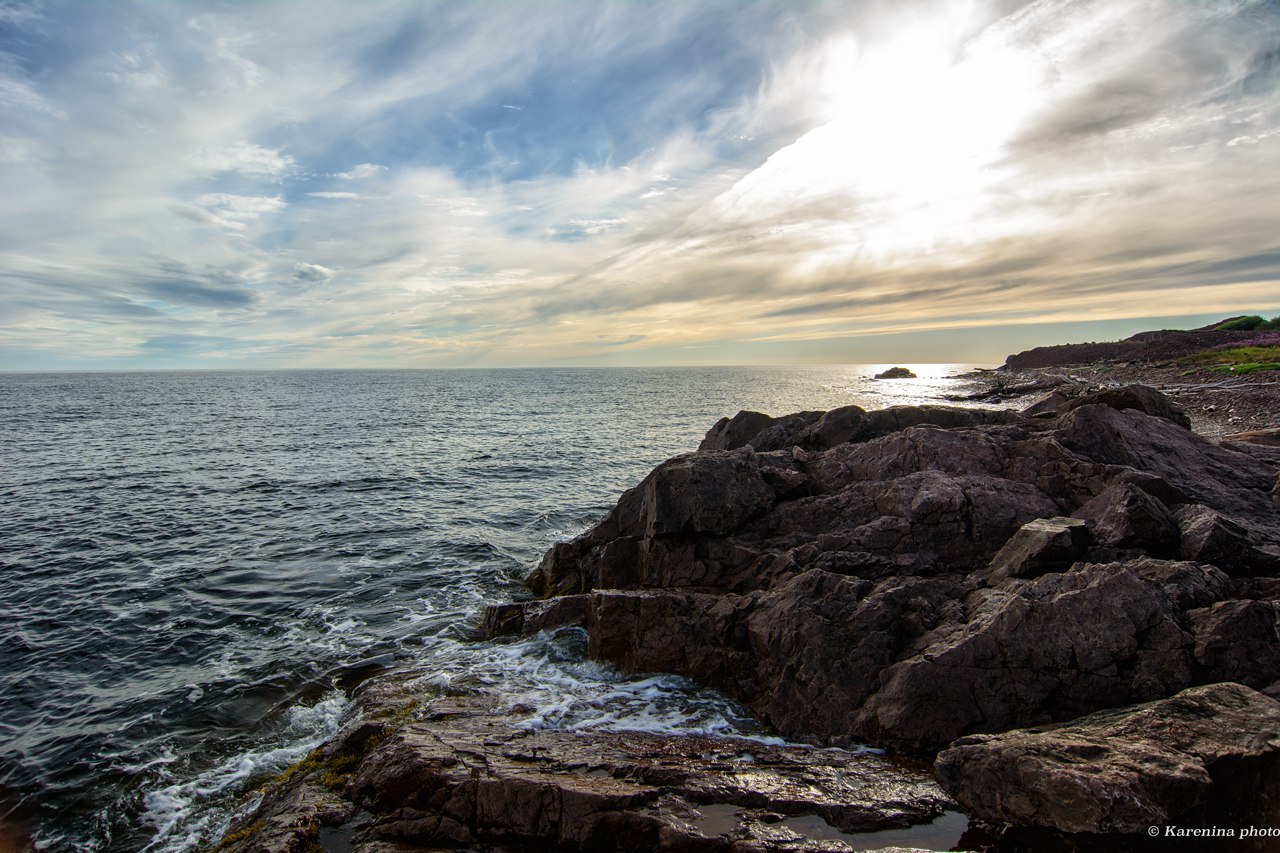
{"points": [[1041, 545], [1126, 516], [1207, 756], [1239, 641]]}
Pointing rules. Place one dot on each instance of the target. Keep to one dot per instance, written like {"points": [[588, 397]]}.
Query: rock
{"points": [[838, 587], [1239, 641], [735, 432], [1046, 649], [915, 662], [1050, 405], [1206, 756], [1146, 400], [454, 772], [1230, 482], [1041, 545], [836, 427], [704, 493], [1211, 537], [895, 373], [1128, 517], [526, 618]]}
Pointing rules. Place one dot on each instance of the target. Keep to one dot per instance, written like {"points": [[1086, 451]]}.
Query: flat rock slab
{"points": [[457, 774], [1203, 756]]}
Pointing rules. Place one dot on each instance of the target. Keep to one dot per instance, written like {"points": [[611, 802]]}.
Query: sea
{"points": [[197, 568]]}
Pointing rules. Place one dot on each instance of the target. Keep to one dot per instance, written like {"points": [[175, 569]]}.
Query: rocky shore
{"points": [[1074, 609], [1219, 403]]}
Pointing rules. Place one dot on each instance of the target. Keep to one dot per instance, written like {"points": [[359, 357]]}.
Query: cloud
{"points": [[582, 178], [364, 170], [244, 157], [313, 273]]}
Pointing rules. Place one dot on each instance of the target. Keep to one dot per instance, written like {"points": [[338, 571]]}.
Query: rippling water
{"points": [[198, 566]]}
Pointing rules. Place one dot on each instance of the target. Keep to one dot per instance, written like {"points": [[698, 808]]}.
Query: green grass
{"points": [[1248, 324], [1237, 360], [1248, 367]]}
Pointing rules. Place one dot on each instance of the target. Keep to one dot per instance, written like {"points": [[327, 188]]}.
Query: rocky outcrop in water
{"points": [[454, 772], [895, 373], [911, 578], [920, 574]]}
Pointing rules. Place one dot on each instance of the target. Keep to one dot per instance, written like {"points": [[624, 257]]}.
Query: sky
{"points": [[503, 183]]}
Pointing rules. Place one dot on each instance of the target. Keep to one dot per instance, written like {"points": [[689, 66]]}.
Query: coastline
{"points": [[453, 770], [1218, 406], [987, 588]]}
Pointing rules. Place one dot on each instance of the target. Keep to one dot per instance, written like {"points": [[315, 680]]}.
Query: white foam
{"points": [[182, 814], [547, 683]]}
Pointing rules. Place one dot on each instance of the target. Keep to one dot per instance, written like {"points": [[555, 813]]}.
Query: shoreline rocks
{"points": [[922, 578], [1208, 755], [925, 574], [456, 772]]}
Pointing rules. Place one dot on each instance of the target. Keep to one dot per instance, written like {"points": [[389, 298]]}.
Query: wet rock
{"points": [[458, 774], [526, 618], [895, 373], [1041, 545], [1205, 756], [1128, 517]]}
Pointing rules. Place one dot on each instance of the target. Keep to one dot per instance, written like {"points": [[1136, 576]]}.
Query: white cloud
{"points": [[243, 157], [241, 206], [883, 168], [364, 170]]}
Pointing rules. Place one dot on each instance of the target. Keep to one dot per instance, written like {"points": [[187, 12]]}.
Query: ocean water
{"points": [[196, 568]]}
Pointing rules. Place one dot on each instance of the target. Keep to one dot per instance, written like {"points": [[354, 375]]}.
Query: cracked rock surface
{"points": [[455, 773]]}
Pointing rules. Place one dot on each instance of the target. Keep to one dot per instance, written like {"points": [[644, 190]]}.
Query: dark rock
{"points": [[1206, 756], [1239, 641], [895, 373], [502, 620], [1030, 652], [704, 493], [838, 590], [915, 662], [1126, 516], [1139, 397], [457, 774], [735, 432], [1041, 545], [787, 432], [526, 618], [1050, 405], [1225, 480], [836, 427], [1211, 537]]}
